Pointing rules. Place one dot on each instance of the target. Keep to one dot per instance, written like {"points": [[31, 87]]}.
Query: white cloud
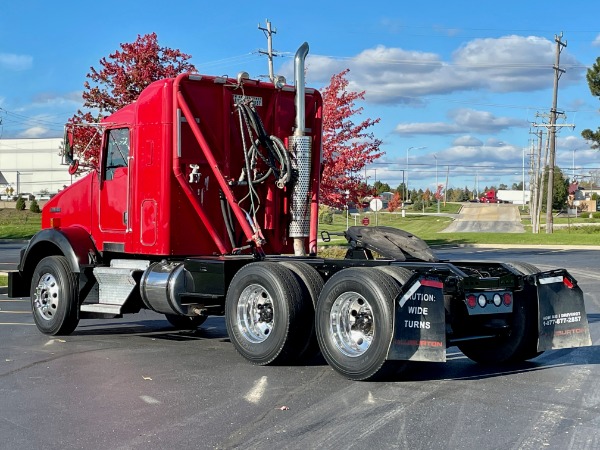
{"points": [[10, 61], [463, 120], [45, 99], [467, 141], [35, 132], [596, 42], [485, 155], [395, 75]]}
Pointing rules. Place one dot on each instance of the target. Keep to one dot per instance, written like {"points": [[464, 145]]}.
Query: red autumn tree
{"points": [[119, 82], [347, 147], [394, 203]]}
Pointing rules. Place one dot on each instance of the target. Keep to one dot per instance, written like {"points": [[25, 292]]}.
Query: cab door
{"points": [[114, 185]]}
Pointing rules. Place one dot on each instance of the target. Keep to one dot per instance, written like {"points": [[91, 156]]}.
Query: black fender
{"points": [[74, 243]]}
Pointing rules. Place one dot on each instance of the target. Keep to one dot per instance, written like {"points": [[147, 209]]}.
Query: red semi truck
{"points": [[490, 197], [206, 203]]}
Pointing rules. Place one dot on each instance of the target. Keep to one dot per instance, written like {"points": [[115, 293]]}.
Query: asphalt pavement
{"points": [[136, 383]]}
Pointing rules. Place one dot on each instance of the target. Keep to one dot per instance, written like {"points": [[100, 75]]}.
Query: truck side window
{"points": [[117, 151]]}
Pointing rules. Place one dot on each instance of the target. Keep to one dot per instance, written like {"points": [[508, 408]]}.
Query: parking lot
{"points": [[137, 383]]}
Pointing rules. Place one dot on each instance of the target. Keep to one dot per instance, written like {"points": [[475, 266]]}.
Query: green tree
{"points": [[381, 187], [561, 189], [34, 206], [400, 189], [20, 205], [593, 79], [325, 214]]}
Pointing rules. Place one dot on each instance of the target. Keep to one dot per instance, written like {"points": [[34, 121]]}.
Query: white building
{"points": [[32, 166]]}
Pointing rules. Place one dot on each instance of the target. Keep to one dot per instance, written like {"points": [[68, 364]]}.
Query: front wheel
{"points": [[355, 322], [54, 296]]}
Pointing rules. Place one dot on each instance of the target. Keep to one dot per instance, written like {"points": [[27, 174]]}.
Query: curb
{"points": [[520, 246]]}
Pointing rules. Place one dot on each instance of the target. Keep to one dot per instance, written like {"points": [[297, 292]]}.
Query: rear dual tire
{"points": [[355, 322], [269, 320]]}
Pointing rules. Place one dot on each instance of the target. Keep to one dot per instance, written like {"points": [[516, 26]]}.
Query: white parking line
{"points": [[255, 394]]}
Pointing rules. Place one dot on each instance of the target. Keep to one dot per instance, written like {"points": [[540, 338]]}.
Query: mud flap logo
{"points": [[562, 319], [420, 327]]}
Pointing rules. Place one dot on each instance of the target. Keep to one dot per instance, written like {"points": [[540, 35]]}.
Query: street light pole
{"points": [[347, 195], [376, 196], [523, 185], [406, 185], [437, 197]]}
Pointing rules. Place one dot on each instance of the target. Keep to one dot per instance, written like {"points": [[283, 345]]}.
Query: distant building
{"points": [[32, 166]]}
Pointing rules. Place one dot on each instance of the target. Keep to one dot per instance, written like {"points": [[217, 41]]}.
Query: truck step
{"points": [[101, 308], [116, 284], [136, 264]]}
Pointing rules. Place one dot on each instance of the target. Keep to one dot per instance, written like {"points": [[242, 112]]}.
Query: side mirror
{"points": [[68, 143]]}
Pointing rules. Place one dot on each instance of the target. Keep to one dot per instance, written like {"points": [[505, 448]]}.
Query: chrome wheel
{"points": [[352, 324], [255, 313], [46, 296]]}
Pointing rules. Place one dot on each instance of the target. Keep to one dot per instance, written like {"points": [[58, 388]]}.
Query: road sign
{"points": [[365, 221], [376, 204]]}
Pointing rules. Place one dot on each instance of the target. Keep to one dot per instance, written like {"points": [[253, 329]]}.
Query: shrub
{"points": [[325, 215], [20, 206], [34, 207]]}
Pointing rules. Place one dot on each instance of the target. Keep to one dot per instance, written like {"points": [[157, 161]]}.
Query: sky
{"points": [[457, 86]]}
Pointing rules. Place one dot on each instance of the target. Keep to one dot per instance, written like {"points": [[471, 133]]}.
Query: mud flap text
{"points": [[420, 326], [562, 319]]}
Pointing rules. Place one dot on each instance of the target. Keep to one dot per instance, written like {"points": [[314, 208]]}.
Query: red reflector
{"points": [[507, 299], [55, 222], [567, 283], [471, 301]]}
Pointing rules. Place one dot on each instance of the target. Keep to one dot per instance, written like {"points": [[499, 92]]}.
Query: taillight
{"points": [[507, 299], [471, 301], [567, 283]]}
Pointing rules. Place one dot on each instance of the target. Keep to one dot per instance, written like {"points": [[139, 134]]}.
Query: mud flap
{"points": [[420, 322], [562, 319]]}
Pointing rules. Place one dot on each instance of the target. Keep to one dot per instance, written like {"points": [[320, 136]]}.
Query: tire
{"points": [[54, 296], [185, 322], [400, 274], [521, 344], [311, 283], [355, 322], [267, 319], [523, 267]]}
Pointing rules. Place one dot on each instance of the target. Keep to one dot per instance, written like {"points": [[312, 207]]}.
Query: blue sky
{"points": [[456, 82]]}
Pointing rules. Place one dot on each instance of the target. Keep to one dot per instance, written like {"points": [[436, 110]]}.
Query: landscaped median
{"points": [[583, 231], [15, 224]]}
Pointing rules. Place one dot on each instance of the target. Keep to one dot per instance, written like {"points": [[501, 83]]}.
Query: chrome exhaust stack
{"points": [[300, 148]]}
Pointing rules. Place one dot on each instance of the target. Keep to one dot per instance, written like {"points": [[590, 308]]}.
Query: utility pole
{"points": [[269, 32], [535, 180], [553, 112]]}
